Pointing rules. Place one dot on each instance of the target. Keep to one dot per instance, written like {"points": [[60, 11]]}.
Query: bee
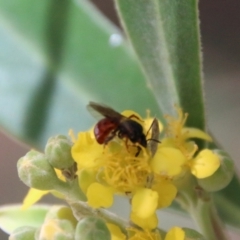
{"points": [[115, 124]]}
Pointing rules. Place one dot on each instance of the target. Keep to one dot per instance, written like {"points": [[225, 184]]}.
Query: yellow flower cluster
{"points": [[106, 170], [146, 178]]}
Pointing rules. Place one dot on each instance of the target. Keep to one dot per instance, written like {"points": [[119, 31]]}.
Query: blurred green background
{"points": [[221, 53]]}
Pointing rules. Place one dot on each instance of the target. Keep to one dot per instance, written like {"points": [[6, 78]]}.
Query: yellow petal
{"points": [[147, 223], [166, 193], [116, 233], [175, 233], [86, 151], [205, 164], [195, 133], [85, 178], [32, 197], [144, 203], [99, 195], [168, 161]]}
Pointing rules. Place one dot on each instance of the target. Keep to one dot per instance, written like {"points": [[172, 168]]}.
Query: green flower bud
{"points": [[23, 233], [61, 212], [58, 152], [35, 171], [55, 229], [91, 228], [222, 177]]}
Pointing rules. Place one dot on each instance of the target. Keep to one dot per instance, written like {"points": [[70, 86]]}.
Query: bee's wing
{"points": [[99, 111], [154, 140]]}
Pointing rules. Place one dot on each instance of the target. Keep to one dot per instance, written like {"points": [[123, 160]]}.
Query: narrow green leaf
{"points": [[56, 56], [13, 217], [165, 36]]}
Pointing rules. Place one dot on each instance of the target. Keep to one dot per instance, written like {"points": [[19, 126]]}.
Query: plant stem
{"points": [[199, 205], [206, 217]]}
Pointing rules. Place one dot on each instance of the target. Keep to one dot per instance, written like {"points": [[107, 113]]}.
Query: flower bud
{"points": [[55, 229], [222, 177], [91, 228], [35, 171], [61, 212], [58, 152], [23, 233]]}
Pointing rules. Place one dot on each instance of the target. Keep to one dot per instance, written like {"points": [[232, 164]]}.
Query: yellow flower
{"points": [[178, 136], [202, 166], [105, 170]]}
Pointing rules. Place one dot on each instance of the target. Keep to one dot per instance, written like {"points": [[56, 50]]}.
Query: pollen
{"points": [[124, 171], [175, 125]]}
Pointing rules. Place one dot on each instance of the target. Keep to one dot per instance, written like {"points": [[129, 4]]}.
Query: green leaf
{"points": [[13, 217], [165, 36], [55, 56]]}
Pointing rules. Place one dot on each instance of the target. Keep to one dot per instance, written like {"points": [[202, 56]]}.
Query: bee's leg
{"points": [[125, 138], [138, 150]]}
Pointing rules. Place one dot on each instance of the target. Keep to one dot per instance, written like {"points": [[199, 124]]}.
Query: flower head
{"points": [[179, 137], [124, 168]]}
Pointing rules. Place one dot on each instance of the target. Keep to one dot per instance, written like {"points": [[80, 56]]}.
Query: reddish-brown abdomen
{"points": [[103, 128]]}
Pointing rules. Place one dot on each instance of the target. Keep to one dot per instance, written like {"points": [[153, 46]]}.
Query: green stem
{"points": [[71, 190], [199, 205], [208, 221]]}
